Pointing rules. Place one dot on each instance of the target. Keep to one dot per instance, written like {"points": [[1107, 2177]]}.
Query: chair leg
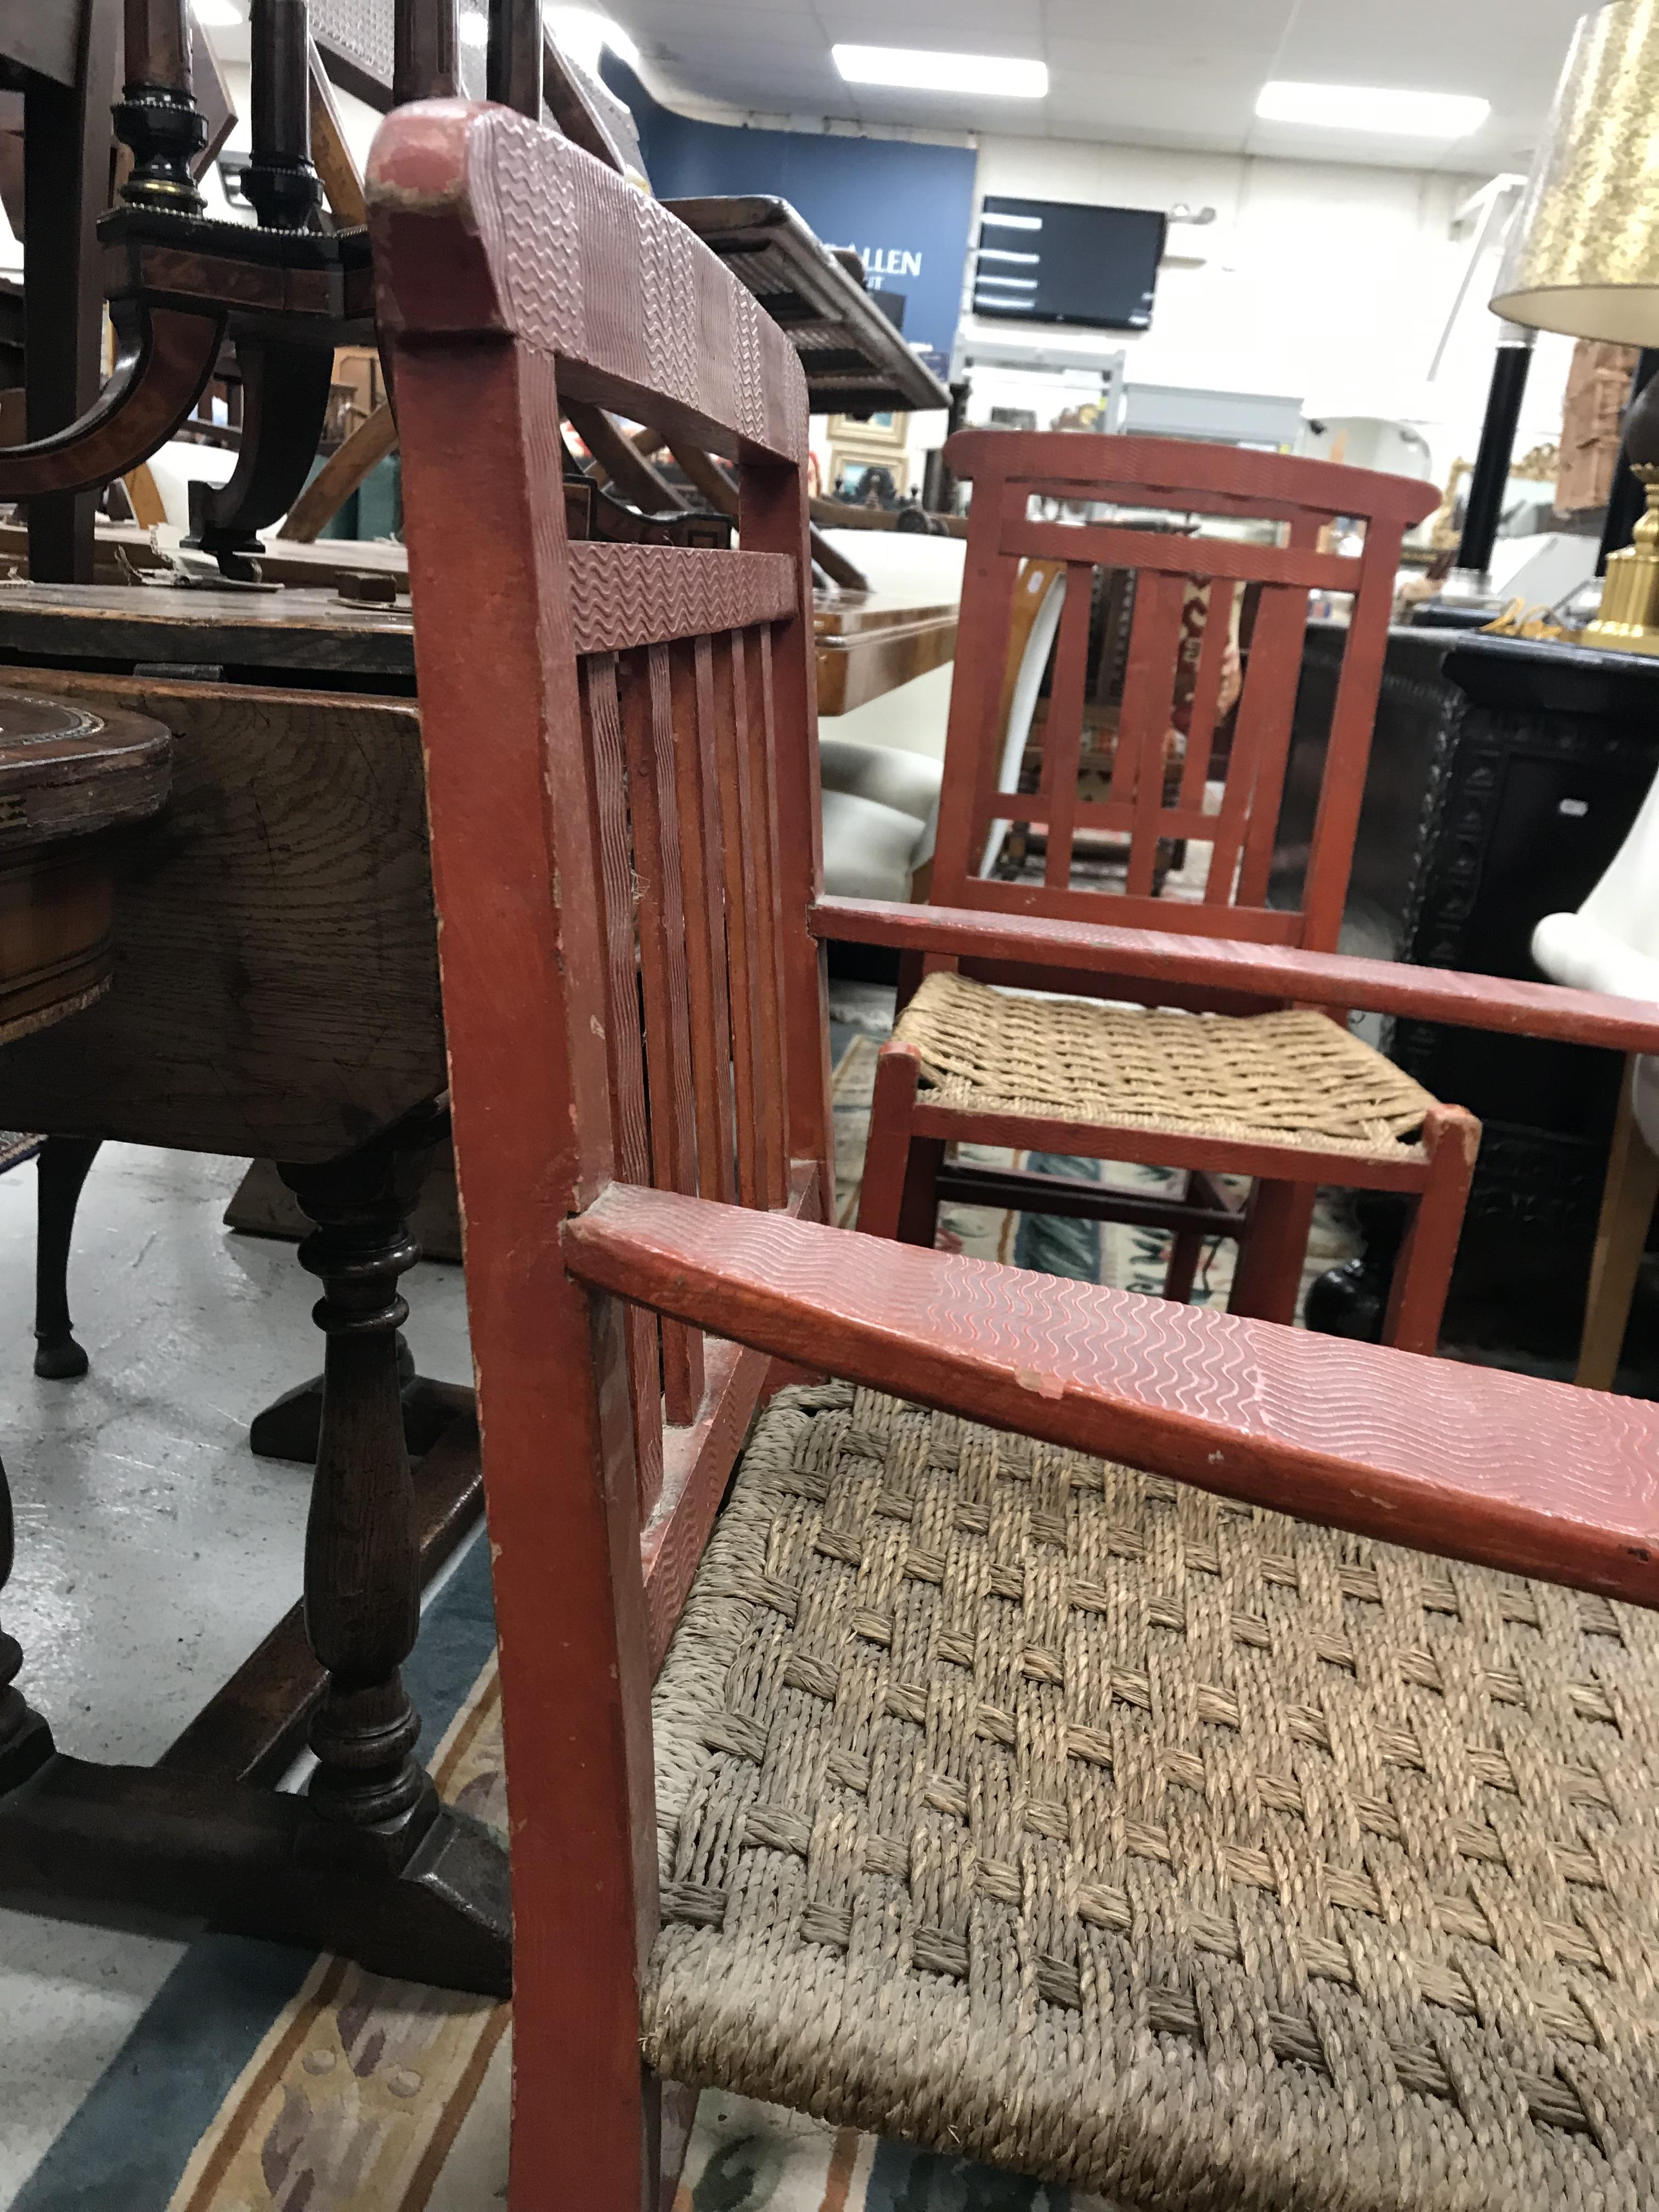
{"points": [[1422, 1273], [60, 1171], [918, 1221], [1185, 1251], [1272, 1250], [887, 1149], [1628, 1198]]}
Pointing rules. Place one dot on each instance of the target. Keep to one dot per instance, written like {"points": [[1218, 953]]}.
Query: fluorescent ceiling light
{"points": [[1015, 284], [910, 70], [218, 14], [1013, 221], [1022, 307], [1373, 108], [583, 34], [996, 253]]}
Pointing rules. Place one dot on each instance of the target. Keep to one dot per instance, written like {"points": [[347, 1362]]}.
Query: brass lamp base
{"points": [[1619, 637], [1629, 617]]}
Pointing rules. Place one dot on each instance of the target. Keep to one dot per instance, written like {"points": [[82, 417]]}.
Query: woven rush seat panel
{"points": [[1063, 1816], [1271, 1078]]}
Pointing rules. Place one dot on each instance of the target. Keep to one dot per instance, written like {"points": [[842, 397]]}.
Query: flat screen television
{"points": [[1053, 261]]}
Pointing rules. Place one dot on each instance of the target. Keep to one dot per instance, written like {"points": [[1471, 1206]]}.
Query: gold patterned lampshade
{"points": [[1584, 255], [1583, 259]]}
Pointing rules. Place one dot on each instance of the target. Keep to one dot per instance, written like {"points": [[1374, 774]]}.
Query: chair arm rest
{"points": [[1473, 1462], [1225, 963]]}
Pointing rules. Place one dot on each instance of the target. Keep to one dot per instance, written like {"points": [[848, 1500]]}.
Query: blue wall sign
{"points": [[905, 210]]}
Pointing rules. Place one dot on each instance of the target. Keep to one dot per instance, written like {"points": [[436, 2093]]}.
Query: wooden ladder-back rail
{"points": [[1300, 500]]}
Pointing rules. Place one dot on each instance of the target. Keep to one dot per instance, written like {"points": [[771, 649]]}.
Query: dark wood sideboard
{"points": [[1504, 774]]}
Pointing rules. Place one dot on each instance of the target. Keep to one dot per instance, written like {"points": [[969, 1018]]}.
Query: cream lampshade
{"points": [[1583, 259]]}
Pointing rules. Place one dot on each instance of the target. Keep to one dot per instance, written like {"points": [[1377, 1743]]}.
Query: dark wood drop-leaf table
{"points": [[276, 994]]}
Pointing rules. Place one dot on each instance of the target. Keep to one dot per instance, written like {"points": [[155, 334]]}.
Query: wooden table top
{"points": [[67, 771], [868, 642], [871, 643]]}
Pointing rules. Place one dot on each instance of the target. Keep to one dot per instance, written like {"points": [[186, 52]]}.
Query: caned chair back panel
{"points": [[1300, 499]]}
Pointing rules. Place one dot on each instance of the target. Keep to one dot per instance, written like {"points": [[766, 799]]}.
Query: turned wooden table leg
{"points": [[25, 1739], [290, 1427], [60, 1171], [362, 1567]]}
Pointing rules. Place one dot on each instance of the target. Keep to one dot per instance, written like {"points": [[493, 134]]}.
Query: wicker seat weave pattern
{"points": [[1059, 1815], [1267, 1079]]}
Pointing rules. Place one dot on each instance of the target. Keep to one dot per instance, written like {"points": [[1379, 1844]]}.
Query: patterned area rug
{"points": [[15, 1149], [262, 2080]]}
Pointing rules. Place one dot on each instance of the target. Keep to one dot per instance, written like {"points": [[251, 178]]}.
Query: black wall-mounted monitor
{"points": [[1053, 261]]}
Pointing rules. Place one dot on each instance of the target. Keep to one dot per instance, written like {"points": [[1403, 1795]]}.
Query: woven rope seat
{"points": [[1271, 1078], [1063, 1816]]}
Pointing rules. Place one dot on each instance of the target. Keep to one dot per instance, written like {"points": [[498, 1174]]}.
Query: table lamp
{"points": [[1583, 259]]}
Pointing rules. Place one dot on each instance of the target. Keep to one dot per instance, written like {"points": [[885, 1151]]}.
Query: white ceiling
{"points": [[1178, 73]]}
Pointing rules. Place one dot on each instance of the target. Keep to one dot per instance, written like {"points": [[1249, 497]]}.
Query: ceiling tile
{"points": [[1182, 73]]}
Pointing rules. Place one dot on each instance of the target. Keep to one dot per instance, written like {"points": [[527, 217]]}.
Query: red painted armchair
{"points": [[1085, 1814]]}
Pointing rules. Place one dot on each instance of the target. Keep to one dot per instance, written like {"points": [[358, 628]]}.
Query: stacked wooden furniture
{"points": [[1106, 1824]]}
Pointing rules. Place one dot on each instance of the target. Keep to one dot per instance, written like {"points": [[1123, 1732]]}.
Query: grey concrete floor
{"points": [[153, 1550]]}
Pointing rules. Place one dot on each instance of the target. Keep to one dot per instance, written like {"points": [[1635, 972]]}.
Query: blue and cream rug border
{"points": [[130, 2141]]}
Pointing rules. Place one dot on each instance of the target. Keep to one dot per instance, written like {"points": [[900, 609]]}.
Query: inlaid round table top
{"points": [[67, 770]]}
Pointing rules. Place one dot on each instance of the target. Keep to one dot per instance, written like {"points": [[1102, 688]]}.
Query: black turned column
{"points": [[157, 118], [1491, 474], [25, 1739], [279, 179], [362, 1565], [426, 51], [513, 70]]}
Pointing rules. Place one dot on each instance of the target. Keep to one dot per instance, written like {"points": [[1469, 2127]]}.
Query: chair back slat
{"points": [[703, 860], [743, 948], [1144, 717], [1348, 748], [648, 708], [632, 1136], [1206, 695], [1175, 781], [1249, 811], [1062, 737], [769, 913]]}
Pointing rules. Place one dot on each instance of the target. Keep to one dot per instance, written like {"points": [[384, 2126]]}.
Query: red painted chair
{"points": [[1255, 1087], [1107, 1824]]}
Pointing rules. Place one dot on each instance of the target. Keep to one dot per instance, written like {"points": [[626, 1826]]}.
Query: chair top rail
{"points": [[1178, 473], [629, 595], [1219, 560], [525, 236]]}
